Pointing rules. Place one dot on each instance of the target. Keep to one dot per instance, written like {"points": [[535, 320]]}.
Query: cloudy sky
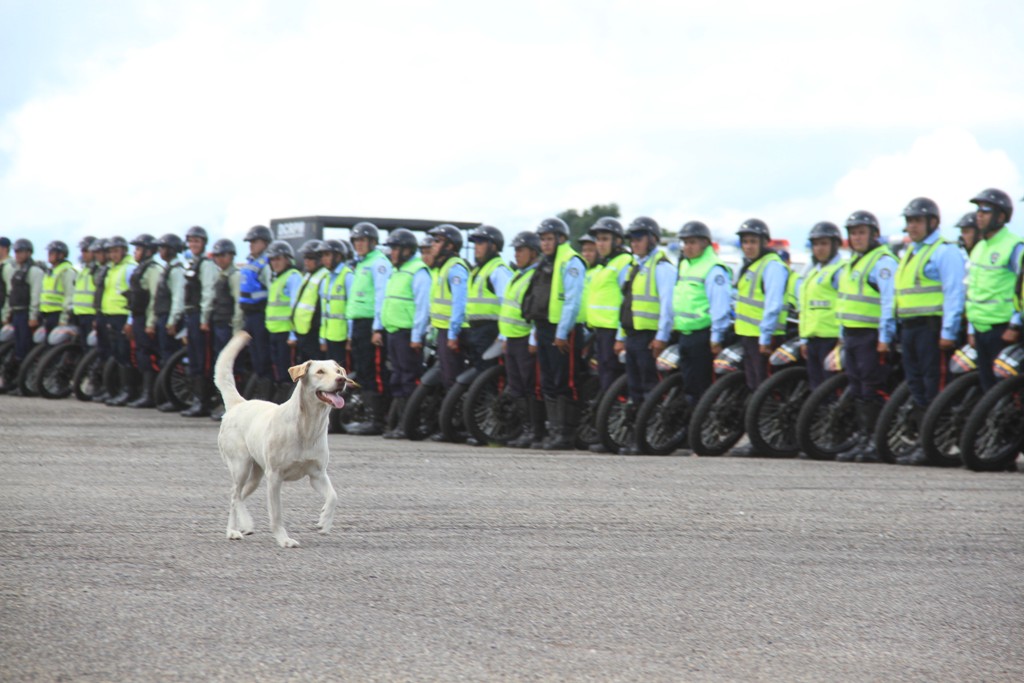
{"points": [[138, 115]]}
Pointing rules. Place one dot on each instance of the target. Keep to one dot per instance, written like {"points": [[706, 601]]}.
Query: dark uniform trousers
{"points": [[308, 345], [988, 345], [755, 366], [145, 346], [608, 366], [259, 348], [166, 343], [696, 363], [475, 340], [221, 337], [198, 345], [102, 337], [865, 368], [84, 324], [922, 362], [120, 346], [641, 367], [818, 349], [559, 372], [338, 352], [22, 335], [281, 356], [520, 368], [406, 363], [451, 362], [368, 361]]}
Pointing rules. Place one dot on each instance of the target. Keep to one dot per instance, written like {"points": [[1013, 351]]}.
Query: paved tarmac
{"points": [[456, 563]]}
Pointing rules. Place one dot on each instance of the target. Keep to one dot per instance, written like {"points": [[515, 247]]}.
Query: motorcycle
{"points": [[944, 420], [773, 409], [663, 420], [993, 435], [717, 420], [57, 366]]}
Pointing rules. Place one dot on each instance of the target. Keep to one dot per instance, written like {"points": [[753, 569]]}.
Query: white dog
{"points": [[286, 442]]}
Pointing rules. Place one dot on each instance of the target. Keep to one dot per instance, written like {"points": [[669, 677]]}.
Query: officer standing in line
{"points": [[200, 276], [427, 250], [646, 316], [487, 282], [83, 300], [367, 343], [867, 317], [334, 289], [929, 304], [552, 304], [103, 345], [588, 250], [226, 316], [818, 295], [702, 305], [995, 264], [256, 277], [284, 291], [22, 307], [306, 313], [58, 294], [969, 234], [604, 298], [6, 269], [448, 295], [520, 345], [141, 324], [169, 304], [115, 309], [405, 317]]}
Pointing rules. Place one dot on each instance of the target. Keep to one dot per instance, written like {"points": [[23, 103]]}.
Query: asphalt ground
{"points": [[457, 563]]}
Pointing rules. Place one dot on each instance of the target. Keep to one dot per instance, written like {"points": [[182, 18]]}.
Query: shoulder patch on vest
{"points": [[884, 274], [994, 257], [574, 271], [719, 279], [382, 269]]}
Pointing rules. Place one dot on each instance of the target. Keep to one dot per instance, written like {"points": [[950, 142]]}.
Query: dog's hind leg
{"points": [[274, 482], [242, 516], [321, 483]]}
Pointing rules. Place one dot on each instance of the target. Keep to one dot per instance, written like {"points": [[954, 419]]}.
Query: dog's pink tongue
{"points": [[336, 400]]}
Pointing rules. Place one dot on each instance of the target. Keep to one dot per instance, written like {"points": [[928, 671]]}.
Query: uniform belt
{"points": [[922, 321]]}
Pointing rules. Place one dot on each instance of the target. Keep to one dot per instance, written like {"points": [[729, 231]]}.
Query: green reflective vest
{"points": [[309, 296], [557, 297], [990, 282], [115, 299], [279, 305], [52, 298], [362, 299], [604, 296], [860, 304], [399, 310], [84, 297], [481, 302], [750, 299], [917, 295], [818, 303], [441, 295], [645, 304], [691, 306], [511, 323], [333, 323]]}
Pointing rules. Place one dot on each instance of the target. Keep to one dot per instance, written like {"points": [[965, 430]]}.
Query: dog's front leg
{"points": [[321, 483], [274, 482]]}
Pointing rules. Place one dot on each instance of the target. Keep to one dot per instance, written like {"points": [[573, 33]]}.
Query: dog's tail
{"points": [[224, 371]]}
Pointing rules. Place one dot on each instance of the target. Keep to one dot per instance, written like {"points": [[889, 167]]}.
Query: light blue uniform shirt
{"points": [[774, 281], [421, 283], [499, 280], [574, 273], [380, 273], [458, 283], [946, 266], [718, 289]]}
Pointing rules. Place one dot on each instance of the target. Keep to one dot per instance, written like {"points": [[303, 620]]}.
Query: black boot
{"points": [[145, 399], [200, 399], [126, 395], [539, 417], [916, 456], [396, 418], [867, 415], [374, 403], [96, 378], [525, 437], [559, 438]]}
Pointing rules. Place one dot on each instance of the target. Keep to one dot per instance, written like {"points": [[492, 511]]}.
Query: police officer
{"points": [[448, 300], [760, 300], [334, 289], [702, 306], [200, 276], [22, 307], [283, 292], [169, 303], [405, 317], [603, 295], [306, 309], [83, 299], [487, 282], [99, 257], [929, 304], [253, 300], [141, 325], [818, 294], [646, 316], [58, 294], [226, 316], [867, 318], [969, 233], [995, 264], [116, 309], [552, 304], [427, 250], [6, 268], [520, 347], [588, 250]]}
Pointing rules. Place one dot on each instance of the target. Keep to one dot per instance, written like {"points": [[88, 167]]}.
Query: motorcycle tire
{"points": [[827, 424], [717, 421], [944, 421], [772, 413], [993, 435], [663, 421], [56, 368], [894, 436], [613, 420]]}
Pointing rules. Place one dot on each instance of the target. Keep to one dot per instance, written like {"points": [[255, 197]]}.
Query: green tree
{"points": [[579, 223]]}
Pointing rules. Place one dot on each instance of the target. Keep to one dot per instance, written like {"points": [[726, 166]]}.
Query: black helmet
{"points": [[921, 207], [116, 241], [196, 231], [171, 241], [825, 229], [996, 198], [607, 224], [98, 244], [311, 248], [280, 248], [145, 240], [224, 246], [554, 225], [487, 233], [349, 253], [23, 244], [863, 218], [448, 232], [401, 238], [587, 238], [426, 241], [694, 229], [643, 225], [968, 220], [755, 226], [527, 239], [85, 242], [333, 246], [57, 245], [258, 232], [365, 229]]}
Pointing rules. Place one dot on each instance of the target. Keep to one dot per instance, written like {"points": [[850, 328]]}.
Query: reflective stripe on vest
{"points": [[84, 298], [692, 309], [818, 301], [309, 296], [646, 305], [750, 299], [859, 304], [399, 309], [556, 300], [511, 323], [917, 295], [604, 297], [362, 298], [115, 299], [481, 302], [333, 320], [441, 295], [991, 282], [279, 305], [52, 298]]}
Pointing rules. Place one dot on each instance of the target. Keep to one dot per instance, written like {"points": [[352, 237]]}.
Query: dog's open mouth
{"points": [[334, 399]]}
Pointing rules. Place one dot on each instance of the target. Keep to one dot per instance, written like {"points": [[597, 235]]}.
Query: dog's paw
{"points": [[288, 543], [234, 535]]}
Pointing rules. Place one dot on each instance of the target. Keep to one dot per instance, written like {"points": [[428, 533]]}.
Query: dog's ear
{"points": [[296, 372]]}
